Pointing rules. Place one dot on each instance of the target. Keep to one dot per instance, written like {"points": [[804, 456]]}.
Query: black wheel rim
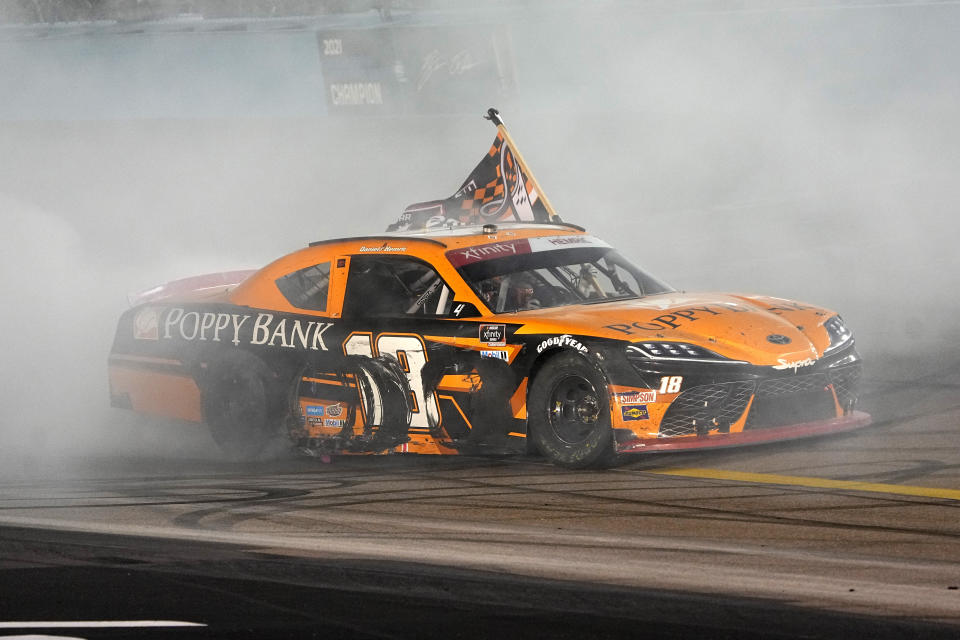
{"points": [[574, 409]]}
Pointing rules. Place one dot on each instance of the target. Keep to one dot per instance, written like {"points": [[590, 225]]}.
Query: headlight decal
{"points": [[839, 334], [677, 351]]}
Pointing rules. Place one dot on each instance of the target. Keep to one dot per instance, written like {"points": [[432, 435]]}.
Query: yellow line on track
{"points": [[819, 483]]}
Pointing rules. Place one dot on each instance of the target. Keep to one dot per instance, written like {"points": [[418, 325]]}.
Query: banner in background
{"points": [[412, 70]]}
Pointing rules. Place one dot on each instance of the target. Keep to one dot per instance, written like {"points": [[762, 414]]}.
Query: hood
{"points": [[756, 329]]}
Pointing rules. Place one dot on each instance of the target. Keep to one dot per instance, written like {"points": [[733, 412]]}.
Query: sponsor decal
{"points": [[265, 329], [562, 240], [676, 319], [494, 335], [334, 410], [636, 397], [776, 338], [460, 257], [426, 294], [500, 354], [315, 420], [146, 324], [551, 243], [668, 320], [634, 412], [327, 422], [565, 340], [315, 410], [787, 306], [384, 247], [796, 364]]}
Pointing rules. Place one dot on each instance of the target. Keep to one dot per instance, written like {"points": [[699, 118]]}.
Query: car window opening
{"points": [[307, 288], [394, 286]]}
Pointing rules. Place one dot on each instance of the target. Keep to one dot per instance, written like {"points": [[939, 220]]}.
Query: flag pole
{"points": [[494, 116]]}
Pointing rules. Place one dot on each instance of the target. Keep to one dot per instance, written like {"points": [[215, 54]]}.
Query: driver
{"points": [[520, 296], [509, 293], [490, 291]]}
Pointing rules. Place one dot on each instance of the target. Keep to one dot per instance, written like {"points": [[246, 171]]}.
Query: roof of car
{"points": [[443, 236]]}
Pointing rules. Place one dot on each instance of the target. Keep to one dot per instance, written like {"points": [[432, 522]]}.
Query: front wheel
{"points": [[569, 419]]}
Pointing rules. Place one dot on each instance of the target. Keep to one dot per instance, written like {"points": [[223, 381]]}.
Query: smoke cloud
{"points": [[809, 154]]}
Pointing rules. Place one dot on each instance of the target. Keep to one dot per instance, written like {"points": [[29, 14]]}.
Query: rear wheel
{"points": [[240, 407], [570, 414]]}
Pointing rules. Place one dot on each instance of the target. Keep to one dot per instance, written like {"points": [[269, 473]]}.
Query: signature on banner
{"points": [[457, 65]]}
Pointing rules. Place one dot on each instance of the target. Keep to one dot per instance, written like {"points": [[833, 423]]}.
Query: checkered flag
{"points": [[498, 189]]}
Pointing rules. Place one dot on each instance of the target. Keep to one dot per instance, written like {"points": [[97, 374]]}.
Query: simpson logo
{"points": [[637, 397], [314, 410], [500, 354], [562, 341], [494, 335], [334, 410], [146, 324], [634, 412]]}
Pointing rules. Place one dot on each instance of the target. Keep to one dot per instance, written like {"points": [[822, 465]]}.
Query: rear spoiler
{"points": [[190, 285]]}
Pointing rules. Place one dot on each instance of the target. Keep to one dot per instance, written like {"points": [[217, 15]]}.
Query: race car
{"points": [[513, 337]]}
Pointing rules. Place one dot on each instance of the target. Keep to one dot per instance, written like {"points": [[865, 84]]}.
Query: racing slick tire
{"points": [[569, 420], [239, 407]]}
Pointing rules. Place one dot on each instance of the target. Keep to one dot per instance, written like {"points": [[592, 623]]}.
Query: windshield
{"points": [[556, 271]]}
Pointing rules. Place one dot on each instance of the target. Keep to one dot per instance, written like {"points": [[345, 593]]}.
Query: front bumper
{"points": [[849, 422]]}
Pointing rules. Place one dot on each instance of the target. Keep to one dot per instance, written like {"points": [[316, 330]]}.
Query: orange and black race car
{"points": [[528, 335], [508, 337]]}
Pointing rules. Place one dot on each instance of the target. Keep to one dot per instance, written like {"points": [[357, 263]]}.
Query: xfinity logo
{"points": [[565, 340], [476, 253]]}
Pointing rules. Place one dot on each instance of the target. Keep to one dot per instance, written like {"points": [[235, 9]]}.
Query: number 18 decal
{"points": [[411, 352], [670, 384]]}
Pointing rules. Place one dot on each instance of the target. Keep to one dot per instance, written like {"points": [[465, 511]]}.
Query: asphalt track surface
{"points": [[855, 535]]}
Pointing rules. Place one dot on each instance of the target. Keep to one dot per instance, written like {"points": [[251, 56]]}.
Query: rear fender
{"points": [[194, 284]]}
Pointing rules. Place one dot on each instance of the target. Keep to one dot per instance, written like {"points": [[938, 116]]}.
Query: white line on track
{"points": [[95, 624]]}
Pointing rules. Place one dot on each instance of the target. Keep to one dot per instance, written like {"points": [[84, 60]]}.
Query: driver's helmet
{"points": [[490, 290], [521, 293]]}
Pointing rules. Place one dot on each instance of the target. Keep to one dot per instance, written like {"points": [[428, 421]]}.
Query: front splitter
{"points": [[855, 420]]}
